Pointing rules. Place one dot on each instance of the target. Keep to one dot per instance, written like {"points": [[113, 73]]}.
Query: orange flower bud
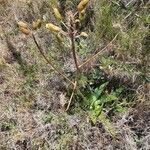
{"points": [[24, 30]]}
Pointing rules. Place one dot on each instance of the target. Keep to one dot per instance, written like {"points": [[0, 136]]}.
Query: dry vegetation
{"points": [[110, 107]]}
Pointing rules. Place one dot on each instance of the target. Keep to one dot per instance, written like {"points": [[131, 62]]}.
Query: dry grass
{"points": [[31, 116]]}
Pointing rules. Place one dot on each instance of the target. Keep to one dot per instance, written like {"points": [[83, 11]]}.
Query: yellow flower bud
{"points": [[83, 12], [82, 5], [57, 14], [77, 21], [81, 16], [53, 28], [84, 34], [22, 24], [59, 38], [36, 24], [24, 30], [2, 62]]}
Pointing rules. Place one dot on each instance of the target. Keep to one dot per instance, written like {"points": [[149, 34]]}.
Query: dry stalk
{"points": [[70, 100], [72, 38], [73, 49], [98, 53], [49, 62]]}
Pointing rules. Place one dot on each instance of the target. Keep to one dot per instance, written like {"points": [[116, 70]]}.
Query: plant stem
{"points": [[53, 67], [73, 44], [100, 52], [70, 100]]}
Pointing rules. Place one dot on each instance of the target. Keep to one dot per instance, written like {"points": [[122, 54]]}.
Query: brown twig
{"points": [[70, 100], [100, 52], [53, 67], [73, 49], [71, 34]]}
